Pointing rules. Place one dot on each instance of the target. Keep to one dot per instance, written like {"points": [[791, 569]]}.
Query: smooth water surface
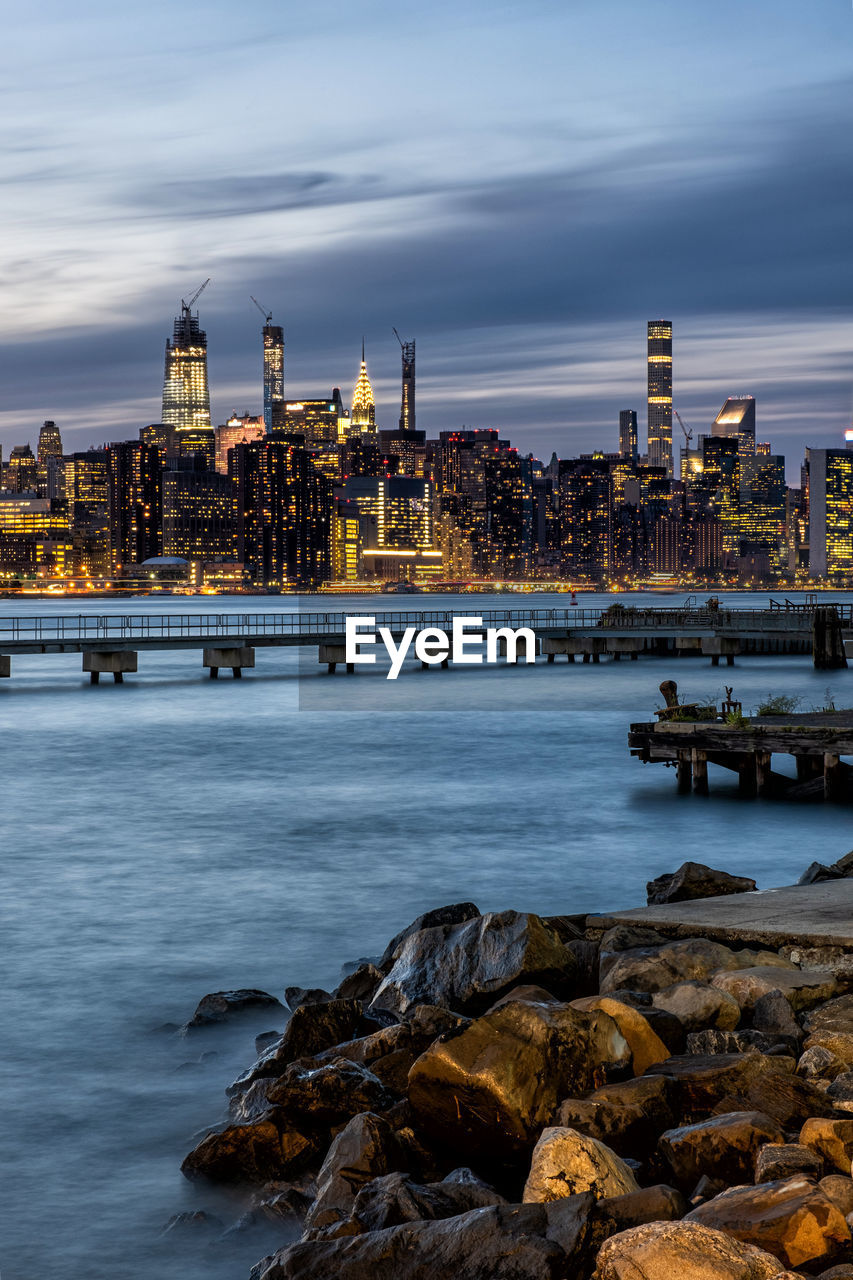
{"points": [[174, 836]]}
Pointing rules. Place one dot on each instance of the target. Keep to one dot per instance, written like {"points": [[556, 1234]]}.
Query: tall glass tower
{"points": [[186, 396], [273, 378], [363, 406], [660, 394], [407, 404]]}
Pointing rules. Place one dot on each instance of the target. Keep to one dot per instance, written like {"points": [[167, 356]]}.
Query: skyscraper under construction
{"points": [[186, 396], [407, 404]]}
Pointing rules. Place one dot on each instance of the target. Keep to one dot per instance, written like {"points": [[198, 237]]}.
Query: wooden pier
{"points": [[816, 740]]}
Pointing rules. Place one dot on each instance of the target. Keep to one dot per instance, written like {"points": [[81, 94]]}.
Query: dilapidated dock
{"points": [[816, 740]]}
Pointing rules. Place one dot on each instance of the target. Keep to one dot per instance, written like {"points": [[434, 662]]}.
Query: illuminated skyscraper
{"points": [[737, 418], [407, 403], [830, 473], [50, 442], [237, 430], [628, 434], [659, 357], [363, 407], [136, 502], [186, 396], [273, 377]]}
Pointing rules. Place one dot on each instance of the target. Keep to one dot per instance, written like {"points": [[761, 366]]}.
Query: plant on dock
{"points": [[736, 720], [780, 704], [828, 702]]}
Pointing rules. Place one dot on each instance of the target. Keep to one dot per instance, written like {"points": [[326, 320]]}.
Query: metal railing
{"points": [[85, 628]]}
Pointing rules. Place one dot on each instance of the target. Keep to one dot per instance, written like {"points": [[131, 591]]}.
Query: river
{"points": [[174, 836]]}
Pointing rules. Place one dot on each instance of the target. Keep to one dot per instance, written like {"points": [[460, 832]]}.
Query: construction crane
{"points": [[199, 291], [688, 435], [266, 314]]}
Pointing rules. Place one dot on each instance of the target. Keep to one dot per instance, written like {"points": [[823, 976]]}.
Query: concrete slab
{"points": [[812, 915]]}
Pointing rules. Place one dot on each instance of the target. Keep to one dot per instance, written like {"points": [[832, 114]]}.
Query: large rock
{"points": [[659, 1203], [748, 1041], [565, 1163], [776, 1162], [646, 1046], [724, 1147], [311, 1029], [456, 913], [694, 880], [698, 1005], [681, 1251], [628, 1117], [741, 1082], [220, 1006], [266, 1151], [832, 1139], [493, 1085], [467, 966], [840, 1191], [803, 988], [391, 1051], [365, 1149], [793, 1220], [396, 1198], [321, 1095], [654, 968], [503, 1242], [772, 1014], [831, 1027]]}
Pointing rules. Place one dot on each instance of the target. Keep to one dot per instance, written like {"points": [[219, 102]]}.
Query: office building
{"points": [[363, 413], [136, 503], [199, 514], [407, 401], [21, 470], [830, 508], [763, 507], [34, 536], [163, 437], [737, 418], [408, 447], [237, 430], [628, 434], [398, 510], [321, 423], [659, 362], [186, 396], [87, 494], [585, 518], [273, 378]]}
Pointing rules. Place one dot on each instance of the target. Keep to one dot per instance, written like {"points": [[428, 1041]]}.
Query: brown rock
{"points": [[361, 984], [366, 1149], [494, 1084], [467, 966], [818, 1063], [565, 1163], [681, 1251], [262, 1152], [833, 1139], [318, 1096], [802, 988], [840, 1191], [776, 1162], [628, 1116], [658, 967], [646, 1047], [396, 1198], [741, 1082], [698, 1005], [456, 913], [831, 1027], [221, 1006], [724, 1147], [792, 1219], [311, 1029], [618, 1213], [694, 880]]}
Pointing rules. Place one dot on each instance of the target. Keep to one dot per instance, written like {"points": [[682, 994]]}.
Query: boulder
{"points": [[723, 1147], [772, 1013], [655, 968], [565, 1163], [298, 996], [698, 1005], [628, 1116], [831, 1027], [741, 1082], [361, 984], [311, 1029], [803, 988], [792, 1219], [774, 1163], [832, 1139], [694, 880], [818, 1063], [491, 1086], [646, 1047], [817, 872], [840, 1191], [391, 1051], [840, 1092], [834, 959], [748, 1041], [220, 1006], [618, 1213], [192, 1222], [467, 966], [264, 1151], [396, 1198], [681, 1251], [318, 1096], [365, 1149], [457, 913], [501, 1242]]}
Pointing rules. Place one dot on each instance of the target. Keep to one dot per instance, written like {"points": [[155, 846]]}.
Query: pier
{"points": [[110, 644], [816, 741]]}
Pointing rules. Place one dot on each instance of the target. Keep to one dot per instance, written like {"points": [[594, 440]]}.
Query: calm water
{"points": [[174, 836]]}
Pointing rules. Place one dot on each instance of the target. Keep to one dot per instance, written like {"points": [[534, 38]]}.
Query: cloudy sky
{"points": [[520, 186]]}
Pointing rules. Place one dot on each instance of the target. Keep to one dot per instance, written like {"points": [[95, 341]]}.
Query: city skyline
{"points": [[522, 223]]}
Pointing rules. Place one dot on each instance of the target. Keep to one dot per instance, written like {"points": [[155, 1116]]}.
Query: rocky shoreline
{"points": [[504, 1096]]}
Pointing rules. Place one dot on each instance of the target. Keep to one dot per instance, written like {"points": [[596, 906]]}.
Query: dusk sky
{"points": [[517, 186]]}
